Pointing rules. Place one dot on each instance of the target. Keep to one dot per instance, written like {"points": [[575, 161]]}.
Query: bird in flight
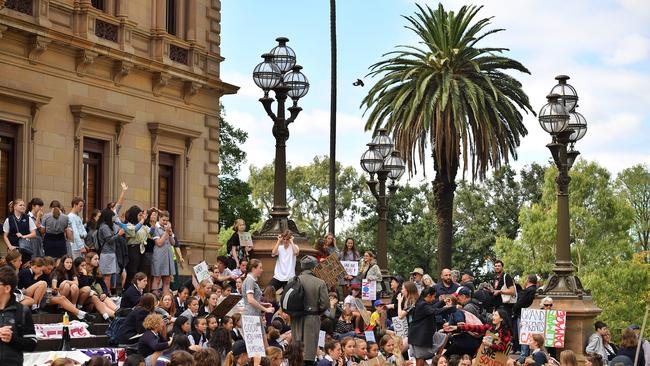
{"points": [[359, 82]]}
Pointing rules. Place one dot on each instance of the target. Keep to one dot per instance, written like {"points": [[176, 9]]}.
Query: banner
{"points": [[246, 239], [252, 329], [488, 357], [351, 267], [77, 329], [330, 270], [551, 324], [201, 271], [368, 290], [401, 327]]}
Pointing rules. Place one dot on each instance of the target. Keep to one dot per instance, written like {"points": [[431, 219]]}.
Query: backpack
{"points": [[292, 300], [114, 329]]}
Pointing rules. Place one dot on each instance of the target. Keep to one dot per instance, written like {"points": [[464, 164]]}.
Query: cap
{"points": [[308, 262], [238, 348], [418, 270], [462, 290], [634, 327], [377, 303], [468, 272]]}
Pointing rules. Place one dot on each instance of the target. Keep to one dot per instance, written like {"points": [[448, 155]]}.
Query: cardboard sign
{"points": [[368, 290], [487, 357], [551, 324], [201, 271], [225, 305], [246, 239], [371, 362], [365, 314], [351, 267], [401, 327], [330, 270], [252, 329], [321, 339], [370, 336]]}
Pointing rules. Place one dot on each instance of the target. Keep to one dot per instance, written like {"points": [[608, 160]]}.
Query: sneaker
{"points": [[90, 318], [357, 330]]}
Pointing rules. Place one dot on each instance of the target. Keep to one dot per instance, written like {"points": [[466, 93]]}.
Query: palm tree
{"points": [[452, 95]]}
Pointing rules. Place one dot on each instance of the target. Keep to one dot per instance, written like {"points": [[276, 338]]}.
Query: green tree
{"points": [[307, 193], [234, 194], [452, 95], [634, 184]]}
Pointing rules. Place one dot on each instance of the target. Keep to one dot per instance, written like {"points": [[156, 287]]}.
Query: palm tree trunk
{"points": [[332, 173], [444, 186]]}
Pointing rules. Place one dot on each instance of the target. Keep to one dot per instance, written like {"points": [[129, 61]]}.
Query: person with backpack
{"points": [[314, 301], [17, 334]]}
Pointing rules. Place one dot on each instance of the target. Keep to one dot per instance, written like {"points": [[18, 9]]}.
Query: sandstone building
{"points": [[96, 92]]}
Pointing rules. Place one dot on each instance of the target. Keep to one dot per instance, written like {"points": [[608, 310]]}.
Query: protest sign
{"points": [[321, 339], [252, 329], [330, 270], [201, 271], [550, 324], [351, 267], [486, 356], [76, 329], [401, 327], [225, 305], [365, 314], [370, 336], [368, 290], [246, 239]]}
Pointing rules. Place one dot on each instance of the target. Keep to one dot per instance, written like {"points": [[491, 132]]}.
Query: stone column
{"points": [[160, 13], [190, 33], [122, 9]]}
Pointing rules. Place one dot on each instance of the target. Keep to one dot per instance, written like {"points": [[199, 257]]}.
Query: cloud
{"points": [[631, 49]]}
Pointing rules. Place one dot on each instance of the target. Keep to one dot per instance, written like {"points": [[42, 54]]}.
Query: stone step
{"points": [[55, 344]]}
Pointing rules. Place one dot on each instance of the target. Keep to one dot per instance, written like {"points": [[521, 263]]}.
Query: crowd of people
{"points": [[120, 266]]}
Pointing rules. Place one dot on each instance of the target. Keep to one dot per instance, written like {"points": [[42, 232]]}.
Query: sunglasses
{"points": [[549, 305]]}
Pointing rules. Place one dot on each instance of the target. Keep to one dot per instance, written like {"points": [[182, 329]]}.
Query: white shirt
{"points": [[285, 266], [78, 231]]}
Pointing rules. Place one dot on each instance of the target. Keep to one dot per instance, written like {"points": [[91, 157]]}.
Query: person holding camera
{"points": [[285, 265], [17, 334]]}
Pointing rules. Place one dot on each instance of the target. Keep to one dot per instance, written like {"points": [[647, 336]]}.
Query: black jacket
{"points": [[24, 335], [422, 322], [524, 300], [133, 325], [130, 297], [150, 343]]}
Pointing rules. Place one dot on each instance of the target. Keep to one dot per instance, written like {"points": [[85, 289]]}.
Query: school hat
{"points": [[238, 348]]}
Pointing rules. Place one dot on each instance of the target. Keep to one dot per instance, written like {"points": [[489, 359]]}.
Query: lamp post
{"points": [[280, 73], [383, 160]]}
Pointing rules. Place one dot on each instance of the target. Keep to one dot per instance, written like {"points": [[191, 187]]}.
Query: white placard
{"points": [[246, 239], [201, 271], [401, 327], [532, 321], [368, 290], [252, 329], [351, 267], [370, 336], [321, 339]]}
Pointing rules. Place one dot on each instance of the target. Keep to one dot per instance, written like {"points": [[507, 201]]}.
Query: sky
{"points": [[604, 46]]}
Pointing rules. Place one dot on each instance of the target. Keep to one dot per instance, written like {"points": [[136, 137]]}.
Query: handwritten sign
{"points": [[201, 271], [55, 331], [330, 270], [351, 267], [225, 306], [365, 314], [252, 329], [321, 339], [551, 324], [246, 239], [368, 290], [401, 327], [486, 356], [370, 336]]}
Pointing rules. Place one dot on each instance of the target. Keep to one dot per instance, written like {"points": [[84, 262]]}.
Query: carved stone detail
{"points": [[120, 70], [85, 58], [160, 81], [190, 90], [38, 45], [3, 28]]}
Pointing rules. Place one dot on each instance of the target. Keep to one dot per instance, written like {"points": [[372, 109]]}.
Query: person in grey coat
{"points": [[305, 328]]}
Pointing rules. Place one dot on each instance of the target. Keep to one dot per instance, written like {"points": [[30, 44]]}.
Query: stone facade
{"points": [[72, 76]]}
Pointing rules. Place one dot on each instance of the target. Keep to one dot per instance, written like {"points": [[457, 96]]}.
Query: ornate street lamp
{"points": [[381, 159], [280, 73]]}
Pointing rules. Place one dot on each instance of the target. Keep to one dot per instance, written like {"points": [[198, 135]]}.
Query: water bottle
{"points": [[66, 319]]}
